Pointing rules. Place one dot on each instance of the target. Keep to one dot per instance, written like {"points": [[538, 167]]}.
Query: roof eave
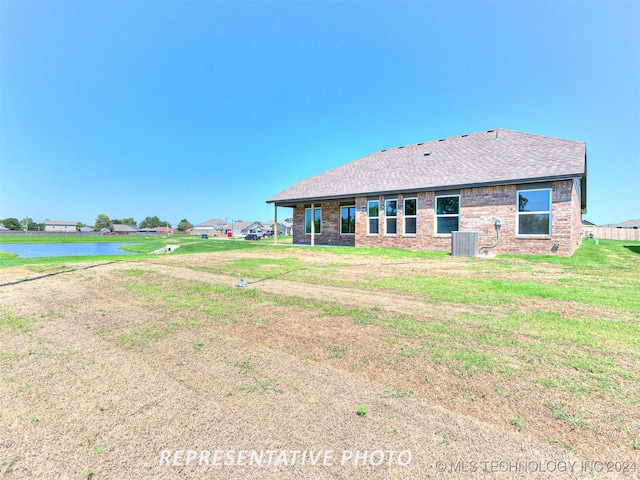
{"points": [[292, 202]]}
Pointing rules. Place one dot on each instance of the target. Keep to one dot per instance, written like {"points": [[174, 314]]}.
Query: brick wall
{"points": [[479, 209], [576, 215], [330, 228]]}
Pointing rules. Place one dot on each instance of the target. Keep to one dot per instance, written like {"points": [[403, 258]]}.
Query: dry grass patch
{"points": [[121, 362]]}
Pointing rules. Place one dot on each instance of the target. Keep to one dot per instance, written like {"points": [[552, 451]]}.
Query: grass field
{"points": [[107, 362]]}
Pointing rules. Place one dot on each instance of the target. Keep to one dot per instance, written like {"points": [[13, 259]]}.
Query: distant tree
{"points": [[27, 223], [103, 221], [30, 225], [184, 225], [125, 221], [11, 223], [152, 222], [80, 225]]}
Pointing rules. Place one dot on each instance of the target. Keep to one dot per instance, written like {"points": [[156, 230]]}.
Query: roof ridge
{"points": [[496, 130], [468, 159]]}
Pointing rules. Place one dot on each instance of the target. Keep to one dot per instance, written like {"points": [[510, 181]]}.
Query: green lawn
{"points": [[547, 345]]}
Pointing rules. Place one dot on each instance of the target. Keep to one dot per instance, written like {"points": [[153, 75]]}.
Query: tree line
{"points": [[102, 221]]}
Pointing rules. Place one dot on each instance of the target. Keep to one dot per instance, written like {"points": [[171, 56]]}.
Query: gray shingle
{"points": [[484, 158]]}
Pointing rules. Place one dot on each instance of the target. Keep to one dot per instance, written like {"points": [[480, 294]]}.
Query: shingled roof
{"points": [[493, 157], [60, 222], [628, 224]]}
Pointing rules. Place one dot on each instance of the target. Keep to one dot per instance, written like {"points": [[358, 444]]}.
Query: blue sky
{"points": [[206, 109]]}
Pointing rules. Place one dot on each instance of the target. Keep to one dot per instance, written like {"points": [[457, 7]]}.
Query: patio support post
{"points": [[275, 223], [313, 224]]}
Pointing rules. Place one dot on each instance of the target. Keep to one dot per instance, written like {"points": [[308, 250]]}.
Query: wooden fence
{"points": [[613, 233]]}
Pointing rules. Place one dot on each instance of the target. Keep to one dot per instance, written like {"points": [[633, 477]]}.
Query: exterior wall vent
{"points": [[465, 244]]}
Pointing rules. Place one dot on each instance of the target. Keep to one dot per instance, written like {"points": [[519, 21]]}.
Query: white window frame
{"points": [[387, 217], [354, 219], [404, 213], [536, 212], [369, 218], [317, 231], [445, 215]]}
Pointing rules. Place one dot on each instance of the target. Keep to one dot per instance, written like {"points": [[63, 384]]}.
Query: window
{"points": [[317, 220], [410, 216], [447, 214], [391, 217], [373, 210], [348, 219], [534, 212]]}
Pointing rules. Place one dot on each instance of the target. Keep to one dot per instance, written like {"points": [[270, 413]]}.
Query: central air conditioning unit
{"points": [[465, 244]]}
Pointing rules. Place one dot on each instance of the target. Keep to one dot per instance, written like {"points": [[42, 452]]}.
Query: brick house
{"points": [[524, 193], [164, 230]]}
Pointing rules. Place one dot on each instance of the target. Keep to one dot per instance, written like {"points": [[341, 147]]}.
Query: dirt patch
{"points": [[110, 369]]}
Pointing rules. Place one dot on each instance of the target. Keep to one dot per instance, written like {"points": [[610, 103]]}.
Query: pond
{"points": [[33, 250]]}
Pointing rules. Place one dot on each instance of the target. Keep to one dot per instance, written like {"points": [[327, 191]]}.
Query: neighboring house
{"points": [[256, 227], [164, 230], [282, 228], [633, 224], [213, 226], [3, 228], [121, 229], [240, 228], [60, 226], [415, 196], [86, 229], [288, 225], [249, 227]]}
